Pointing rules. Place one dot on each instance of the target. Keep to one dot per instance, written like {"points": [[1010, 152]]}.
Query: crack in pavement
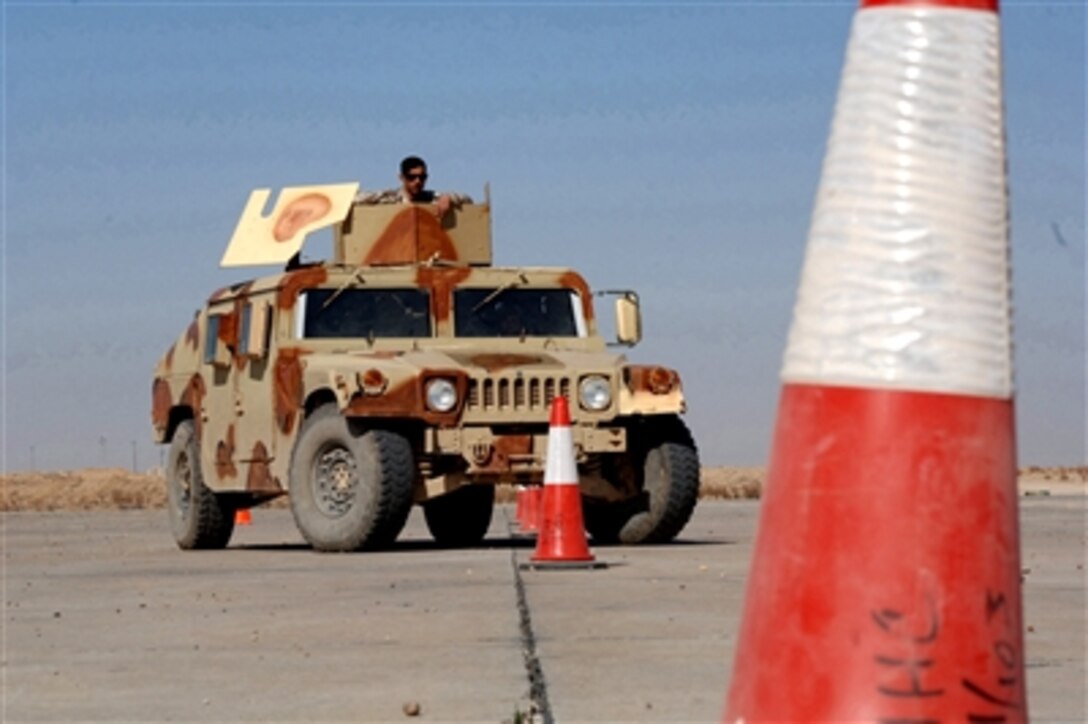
{"points": [[540, 712]]}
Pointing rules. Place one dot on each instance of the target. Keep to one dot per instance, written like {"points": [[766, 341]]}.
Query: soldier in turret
{"points": [[413, 179]]}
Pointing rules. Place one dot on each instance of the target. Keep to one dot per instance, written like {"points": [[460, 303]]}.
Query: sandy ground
{"points": [[119, 489]]}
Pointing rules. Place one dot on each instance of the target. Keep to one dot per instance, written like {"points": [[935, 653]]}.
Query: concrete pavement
{"points": [[106, 620]]}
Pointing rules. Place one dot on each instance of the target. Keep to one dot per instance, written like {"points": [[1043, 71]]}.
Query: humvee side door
{"points": [[255, 438], [237, 441]]}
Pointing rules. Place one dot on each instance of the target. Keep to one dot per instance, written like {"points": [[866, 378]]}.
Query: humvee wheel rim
{"points": [[183, 490], [335, 482]]}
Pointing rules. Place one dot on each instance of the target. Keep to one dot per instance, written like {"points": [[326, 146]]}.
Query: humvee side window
{"points": [[254, 336], [366, 313], [512, 312], [216, 351]]}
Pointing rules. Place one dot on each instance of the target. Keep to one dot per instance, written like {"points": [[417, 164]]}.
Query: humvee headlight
{"points": [[441, 395], [595, 393]]}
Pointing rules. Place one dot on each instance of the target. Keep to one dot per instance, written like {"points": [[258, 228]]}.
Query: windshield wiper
{"points": [[513, 283], [357, 277]]}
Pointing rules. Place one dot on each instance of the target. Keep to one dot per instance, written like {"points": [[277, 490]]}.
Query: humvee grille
{"points": [[517, 394]]}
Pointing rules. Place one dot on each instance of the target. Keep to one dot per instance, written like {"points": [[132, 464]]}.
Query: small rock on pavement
{"points": [[411, 708]]}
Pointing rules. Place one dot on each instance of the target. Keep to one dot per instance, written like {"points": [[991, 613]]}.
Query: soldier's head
{"points": [[413, 176]]}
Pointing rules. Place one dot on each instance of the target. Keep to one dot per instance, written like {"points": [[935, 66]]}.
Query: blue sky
{"points": [[671, 148]]}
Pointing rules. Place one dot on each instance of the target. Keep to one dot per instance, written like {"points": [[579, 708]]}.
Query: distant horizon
{"points": [[673, 149]]}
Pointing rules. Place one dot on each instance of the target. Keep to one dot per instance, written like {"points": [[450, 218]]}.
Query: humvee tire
{"points": [[460, 518], [666, 474], [350, 488], [199, 519]]}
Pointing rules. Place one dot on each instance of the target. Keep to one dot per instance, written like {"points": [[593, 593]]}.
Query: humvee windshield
{"points": [[369, 313], [499, 312]]}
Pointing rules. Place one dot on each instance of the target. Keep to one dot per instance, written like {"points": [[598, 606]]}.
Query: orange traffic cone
{"points": [[529, 507], [885, 582], [519, 510], [561, 541], [522, 504], [242, 516]]}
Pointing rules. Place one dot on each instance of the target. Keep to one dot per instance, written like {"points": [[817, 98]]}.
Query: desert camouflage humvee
{"points": [[407, 370]]}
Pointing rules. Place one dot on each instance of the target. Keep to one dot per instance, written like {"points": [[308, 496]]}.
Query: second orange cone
{"points": [[561, 541], [528, 510]]}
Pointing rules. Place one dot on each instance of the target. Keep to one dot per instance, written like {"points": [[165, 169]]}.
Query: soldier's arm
{"points": [[446, 200], [456, 199]]}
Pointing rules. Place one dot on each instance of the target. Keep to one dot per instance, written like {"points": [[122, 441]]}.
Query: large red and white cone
{"points": [[561, 540], [885, 582]]}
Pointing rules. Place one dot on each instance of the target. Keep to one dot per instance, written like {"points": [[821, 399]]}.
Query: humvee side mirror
{"points": [[628, 316], [628, 319]]}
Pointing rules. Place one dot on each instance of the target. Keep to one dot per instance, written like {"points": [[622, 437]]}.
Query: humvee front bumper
{"points": [[510, 455]]}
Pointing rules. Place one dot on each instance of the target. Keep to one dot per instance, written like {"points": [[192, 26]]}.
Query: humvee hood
{"points": [[502, 361], [476, 362]]}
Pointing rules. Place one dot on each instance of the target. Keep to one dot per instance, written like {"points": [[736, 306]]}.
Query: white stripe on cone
{"points": [[560, 468], [906, 279]]}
